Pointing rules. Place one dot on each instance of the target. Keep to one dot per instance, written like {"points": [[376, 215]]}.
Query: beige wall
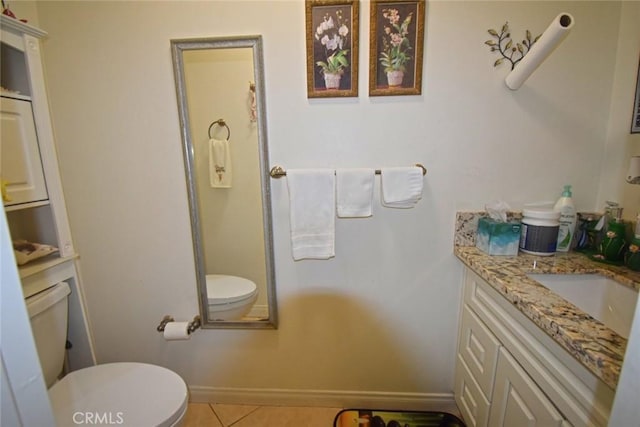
{"points": [[382, 315], [621, 144]]}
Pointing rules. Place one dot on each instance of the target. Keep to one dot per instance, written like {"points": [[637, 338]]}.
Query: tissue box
{"points": [[498, 238]]}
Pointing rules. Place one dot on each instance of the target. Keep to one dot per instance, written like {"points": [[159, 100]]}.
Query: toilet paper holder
{"points": [[193, 325]]}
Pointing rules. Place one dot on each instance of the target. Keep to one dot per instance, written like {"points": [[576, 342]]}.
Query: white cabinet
{"points": [[20, 165], [478, 348], [22, 77], [510, 373], [28, 161], [517, 400], [476, 364]]}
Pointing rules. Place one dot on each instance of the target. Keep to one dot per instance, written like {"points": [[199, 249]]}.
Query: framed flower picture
{"points": [[395, 49], [332, 48]]}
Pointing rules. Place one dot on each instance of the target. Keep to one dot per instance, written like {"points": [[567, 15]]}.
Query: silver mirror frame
{"points": [[178, 46]]}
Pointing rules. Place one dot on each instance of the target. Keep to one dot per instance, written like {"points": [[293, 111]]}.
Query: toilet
{"points": [[230, 297], [128, 394]]}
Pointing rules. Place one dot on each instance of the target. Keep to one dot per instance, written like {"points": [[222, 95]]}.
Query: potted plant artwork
{"points": [[332, 48], [332, 35], [396, 36], [396, 46]]}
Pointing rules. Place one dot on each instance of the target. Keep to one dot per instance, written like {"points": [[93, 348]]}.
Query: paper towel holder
{"points": [[530, 53], [193, 325], [633, 174]]}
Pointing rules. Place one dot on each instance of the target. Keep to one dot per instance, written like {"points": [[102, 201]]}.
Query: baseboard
{"points": [[325, 398]]}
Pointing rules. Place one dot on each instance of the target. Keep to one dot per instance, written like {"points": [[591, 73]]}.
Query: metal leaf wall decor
{"points": [[505, 46]]}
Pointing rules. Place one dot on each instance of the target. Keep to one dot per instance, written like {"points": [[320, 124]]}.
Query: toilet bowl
{"points": [[128, 394], [230, 297]]}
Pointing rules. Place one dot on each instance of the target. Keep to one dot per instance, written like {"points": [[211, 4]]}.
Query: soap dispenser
{"points": [[568, 219]]}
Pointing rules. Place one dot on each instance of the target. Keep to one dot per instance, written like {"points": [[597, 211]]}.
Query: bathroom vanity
{"points": [[526, 355], [32, 189]]}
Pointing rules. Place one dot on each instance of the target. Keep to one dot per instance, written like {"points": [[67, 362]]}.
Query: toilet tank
{"points": [[48, 311]]}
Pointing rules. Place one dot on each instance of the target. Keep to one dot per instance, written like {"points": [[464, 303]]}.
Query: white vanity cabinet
{"points": [[510, 373], [36, 209]]}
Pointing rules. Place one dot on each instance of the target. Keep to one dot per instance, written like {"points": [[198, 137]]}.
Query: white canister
{"points": [[539, 232]]}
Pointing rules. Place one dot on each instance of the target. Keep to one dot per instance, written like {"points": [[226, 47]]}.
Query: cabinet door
{"points": [[478, 347], [20, 164], [471, 401], [517, 400]]}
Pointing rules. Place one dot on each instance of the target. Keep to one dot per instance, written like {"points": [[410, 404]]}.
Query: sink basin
{"points": [[601, 297]]}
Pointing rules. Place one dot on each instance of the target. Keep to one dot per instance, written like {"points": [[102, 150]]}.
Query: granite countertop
{"points": [[597, 347]]}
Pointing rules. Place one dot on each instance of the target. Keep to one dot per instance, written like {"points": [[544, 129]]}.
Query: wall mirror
{"points": [[220, 91]]}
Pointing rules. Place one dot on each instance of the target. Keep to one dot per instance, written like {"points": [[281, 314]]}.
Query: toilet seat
{"points": [[128, 394], [222, 289]]}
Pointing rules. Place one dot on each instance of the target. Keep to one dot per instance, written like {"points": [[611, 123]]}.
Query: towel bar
{"points": [[279, 172]]}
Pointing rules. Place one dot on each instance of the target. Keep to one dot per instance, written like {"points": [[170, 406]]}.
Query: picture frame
{"points": [[396, 47], [635, 120], [332, 48]]}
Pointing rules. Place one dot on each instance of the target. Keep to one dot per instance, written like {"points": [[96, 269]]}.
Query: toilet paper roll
{"points": [[550, 39], [176, 331]]}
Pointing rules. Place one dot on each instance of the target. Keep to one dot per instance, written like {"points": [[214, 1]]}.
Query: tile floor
{"points": [[219, 415]]}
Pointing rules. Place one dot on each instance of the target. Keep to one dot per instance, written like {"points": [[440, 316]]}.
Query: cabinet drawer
{"points": [[478, 347], [471, 401]]}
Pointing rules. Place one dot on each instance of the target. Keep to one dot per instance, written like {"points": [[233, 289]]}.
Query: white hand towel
{"points": [[354, 192], [312, 210], [401, 187], [219, 163]]}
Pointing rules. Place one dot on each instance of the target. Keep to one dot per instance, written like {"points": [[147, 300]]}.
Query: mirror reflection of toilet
{"points": [[130, 394], [230, 297]]}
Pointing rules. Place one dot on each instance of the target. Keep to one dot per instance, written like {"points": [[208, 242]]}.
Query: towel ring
{"points": [[221, 123]]}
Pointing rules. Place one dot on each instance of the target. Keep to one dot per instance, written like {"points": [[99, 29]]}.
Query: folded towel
{"points": [[401, 187], [312, 204], [354, 192], [219, 163]]}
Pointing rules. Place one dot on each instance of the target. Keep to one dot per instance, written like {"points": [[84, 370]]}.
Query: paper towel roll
{"points": [[633, 175], [552, 37], [176, 331]]}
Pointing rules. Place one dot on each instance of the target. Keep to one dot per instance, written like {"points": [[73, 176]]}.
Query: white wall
{"points": [[382, 315]]}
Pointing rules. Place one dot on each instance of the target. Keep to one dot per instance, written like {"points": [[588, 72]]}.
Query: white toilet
{"points": [[127, 394], [230, 297]]}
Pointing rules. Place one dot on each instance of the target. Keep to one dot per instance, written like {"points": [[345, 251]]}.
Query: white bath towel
{"points": [[312, 204], [401, 187], [354, 192], [219, 163]]}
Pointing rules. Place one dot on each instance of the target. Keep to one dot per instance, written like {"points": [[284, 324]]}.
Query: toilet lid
{"points": [[223, 289], [127, 394]]}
